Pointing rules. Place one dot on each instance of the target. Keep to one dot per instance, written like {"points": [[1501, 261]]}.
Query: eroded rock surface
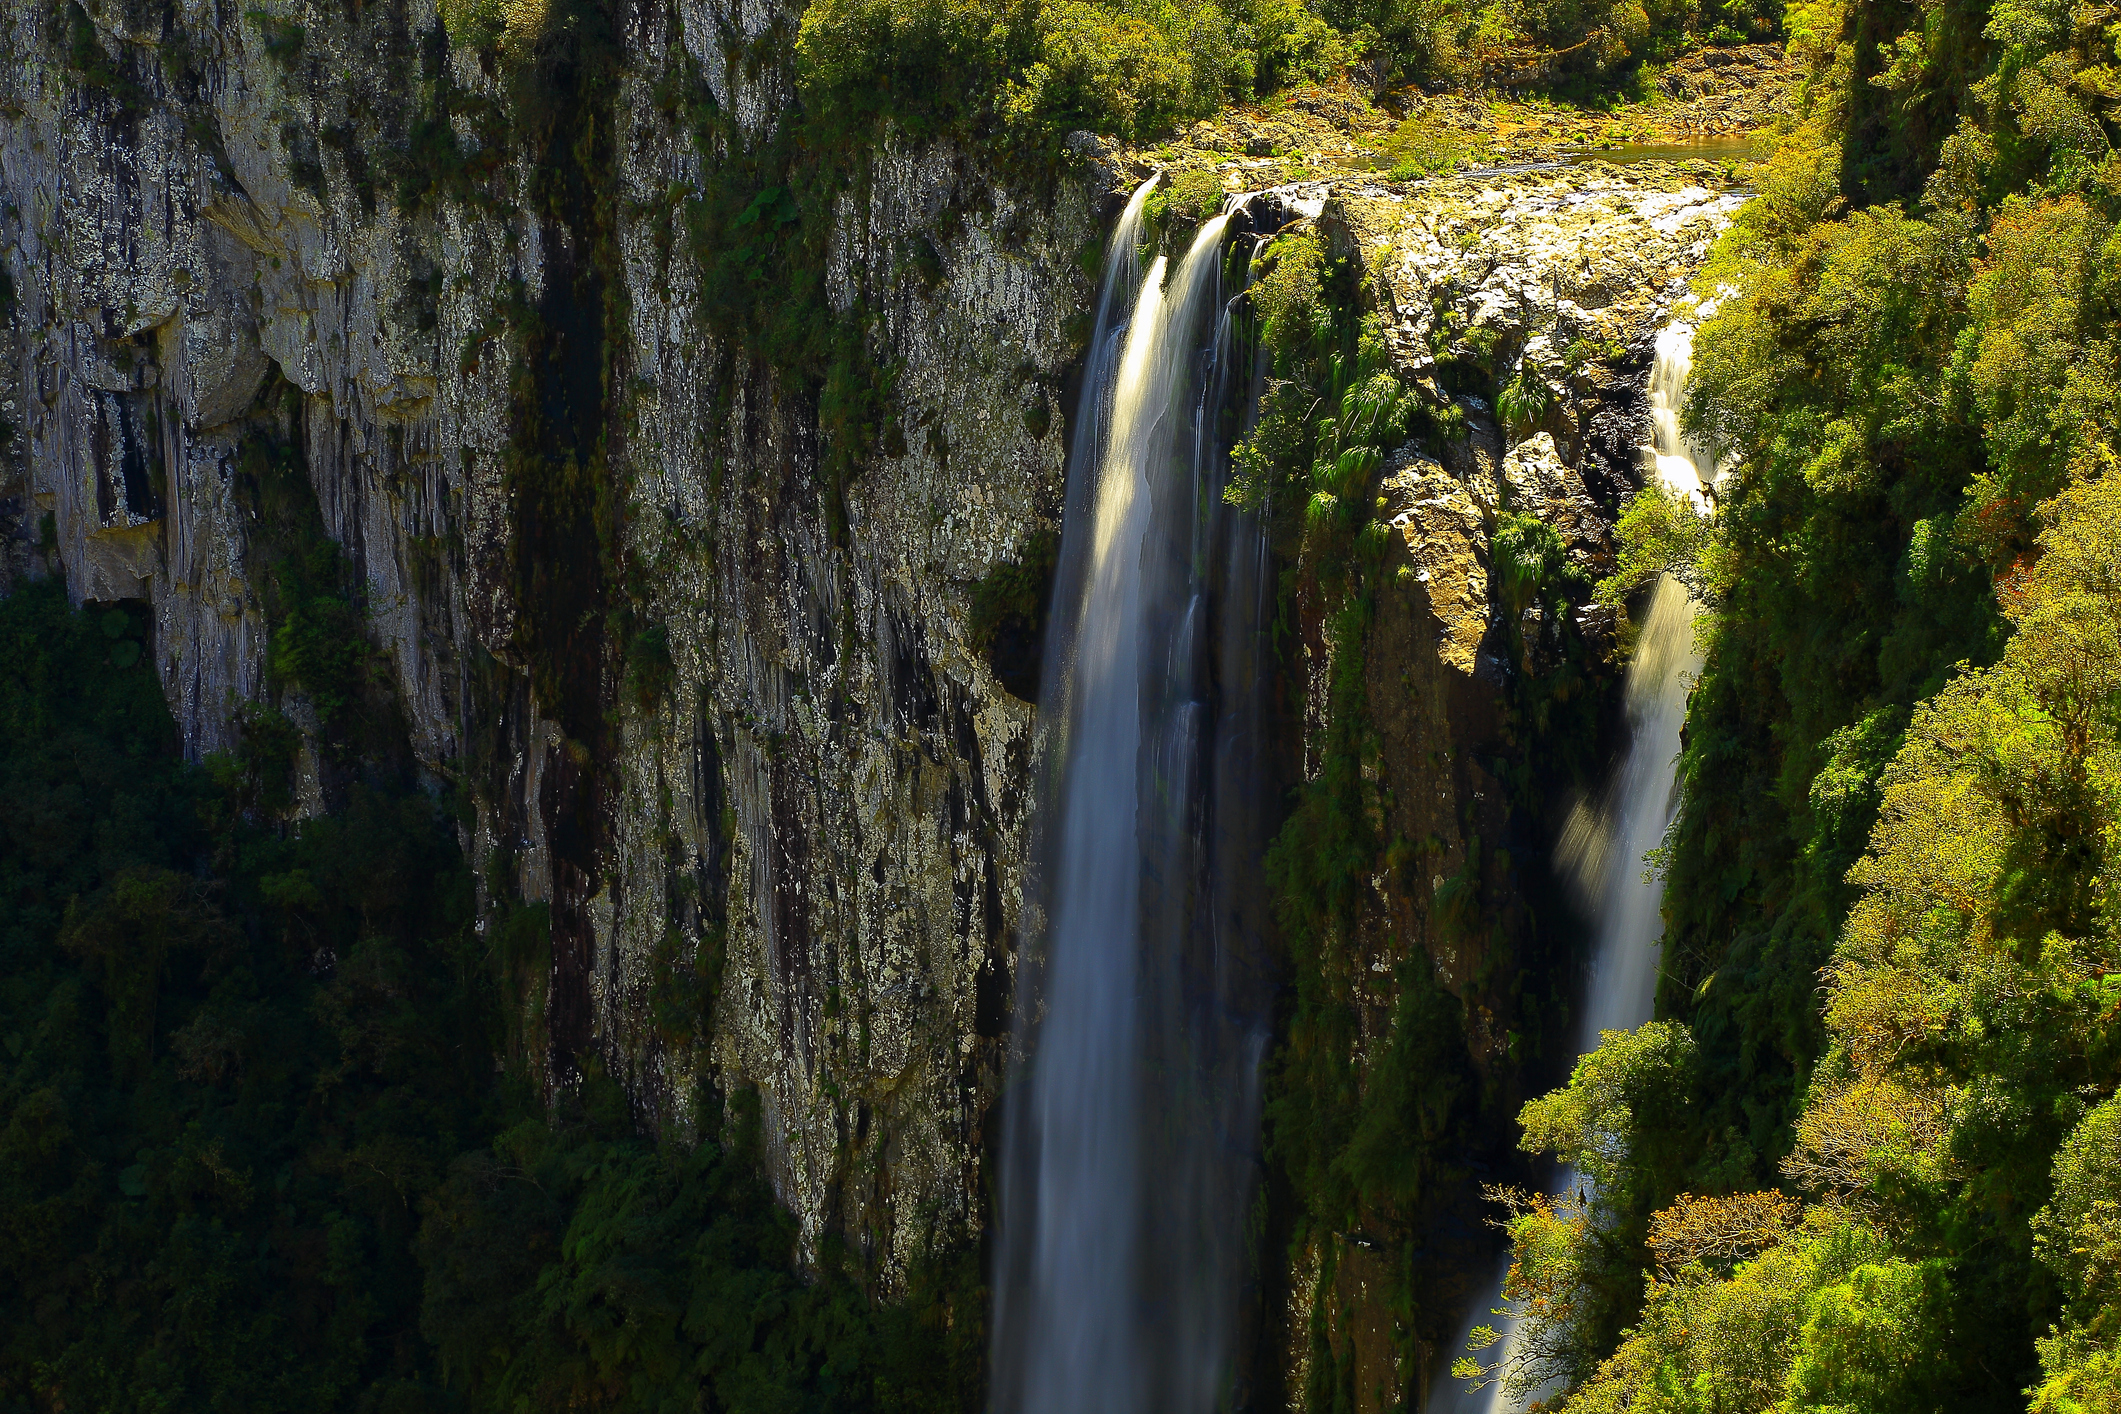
{"points": [[1542, 262], [231, 248], [1522, 307], [1444, 535]]}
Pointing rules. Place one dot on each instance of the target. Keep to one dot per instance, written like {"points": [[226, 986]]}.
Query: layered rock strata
{"points": [[212, 247]]}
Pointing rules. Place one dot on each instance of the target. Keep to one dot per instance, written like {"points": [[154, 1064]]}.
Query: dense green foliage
{"points": [[1896, 775], [235, 1058], [1957, 1141], [1035, 69], [1373, 1103], [270, 1144]]}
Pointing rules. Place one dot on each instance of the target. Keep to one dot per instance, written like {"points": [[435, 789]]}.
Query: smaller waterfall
{"points": [[1681, 462], [1602, 847], [1602, 853]]}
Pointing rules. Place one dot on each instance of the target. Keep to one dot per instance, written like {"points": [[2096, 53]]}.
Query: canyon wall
{"points": [[691, 507], [720, 712]]}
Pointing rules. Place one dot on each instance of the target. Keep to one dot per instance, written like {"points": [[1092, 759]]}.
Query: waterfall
{"points": [[1601, 850], [1130, 1132], [1603, 853], [1681, 463]]}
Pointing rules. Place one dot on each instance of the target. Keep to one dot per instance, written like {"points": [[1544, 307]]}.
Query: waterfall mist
{"points": [[1131, 1130], [1602, 849]]}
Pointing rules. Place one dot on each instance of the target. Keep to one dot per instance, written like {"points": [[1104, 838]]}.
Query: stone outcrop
{"points": [[1444, 536], [1723, 91], [1546, 266], [1550, 286]]}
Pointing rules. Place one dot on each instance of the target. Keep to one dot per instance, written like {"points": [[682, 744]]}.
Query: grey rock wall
{"points": [[828, 794]]}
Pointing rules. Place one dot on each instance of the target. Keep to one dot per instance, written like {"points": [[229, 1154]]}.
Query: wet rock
{"points": [[832, 787], [1539, 263]]}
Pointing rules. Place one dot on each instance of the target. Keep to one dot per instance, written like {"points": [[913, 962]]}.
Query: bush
{"points": [[474, 24], [1292, 44], [1031, 73], [918, 62], [1183, 199], [1105, 70], [1525, 400]]}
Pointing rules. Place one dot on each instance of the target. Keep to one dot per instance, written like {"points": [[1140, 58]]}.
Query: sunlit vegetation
{"points": [[1882, 1171], [1956, 1152], [1370, 1127], [1029, 71], [1358, 1146]]}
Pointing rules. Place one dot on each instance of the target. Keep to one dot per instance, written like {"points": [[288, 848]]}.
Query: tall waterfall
{"points": [[1131, 1132], [1602, 847]]}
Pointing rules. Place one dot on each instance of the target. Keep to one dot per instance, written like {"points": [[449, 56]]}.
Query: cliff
{"points": [[693, 494], [722, 713]]}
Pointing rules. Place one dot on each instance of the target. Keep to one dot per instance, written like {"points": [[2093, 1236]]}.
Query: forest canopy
{"points": [[1032, 70], [271, 1144]]}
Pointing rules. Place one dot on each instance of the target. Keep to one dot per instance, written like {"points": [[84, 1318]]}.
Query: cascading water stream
{"points": [[1602, 849], [1681, 463], [1130, 1134]]}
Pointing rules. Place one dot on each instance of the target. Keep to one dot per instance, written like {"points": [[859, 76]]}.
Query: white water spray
{"points": [[1602, 848], [1130, 1136]]}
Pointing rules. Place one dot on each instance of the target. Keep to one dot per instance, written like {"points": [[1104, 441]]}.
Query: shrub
{"points": [[916, 61], [1185, 198], [1526, 399], [473, 24], [1293, 44], [1104, 70], [1286, 296], [1421, 148]]}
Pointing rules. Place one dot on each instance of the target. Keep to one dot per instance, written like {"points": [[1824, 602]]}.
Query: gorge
{"points": [[1084, 706], [866, 928], [1605, 851]]}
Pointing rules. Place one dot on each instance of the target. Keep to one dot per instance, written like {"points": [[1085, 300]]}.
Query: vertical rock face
{"points": [[1555, 281], [1548, 286], [716, 705]]}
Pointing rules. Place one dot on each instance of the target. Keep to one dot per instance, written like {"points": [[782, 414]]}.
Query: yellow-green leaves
{"points": [[1185, 197], [1660, 533], [1718, 1231], [2078, 1236], [1101, 67], [2038, 395], [1287, 293], [1634, 1079], [1824, 1317], [473, 24]]}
